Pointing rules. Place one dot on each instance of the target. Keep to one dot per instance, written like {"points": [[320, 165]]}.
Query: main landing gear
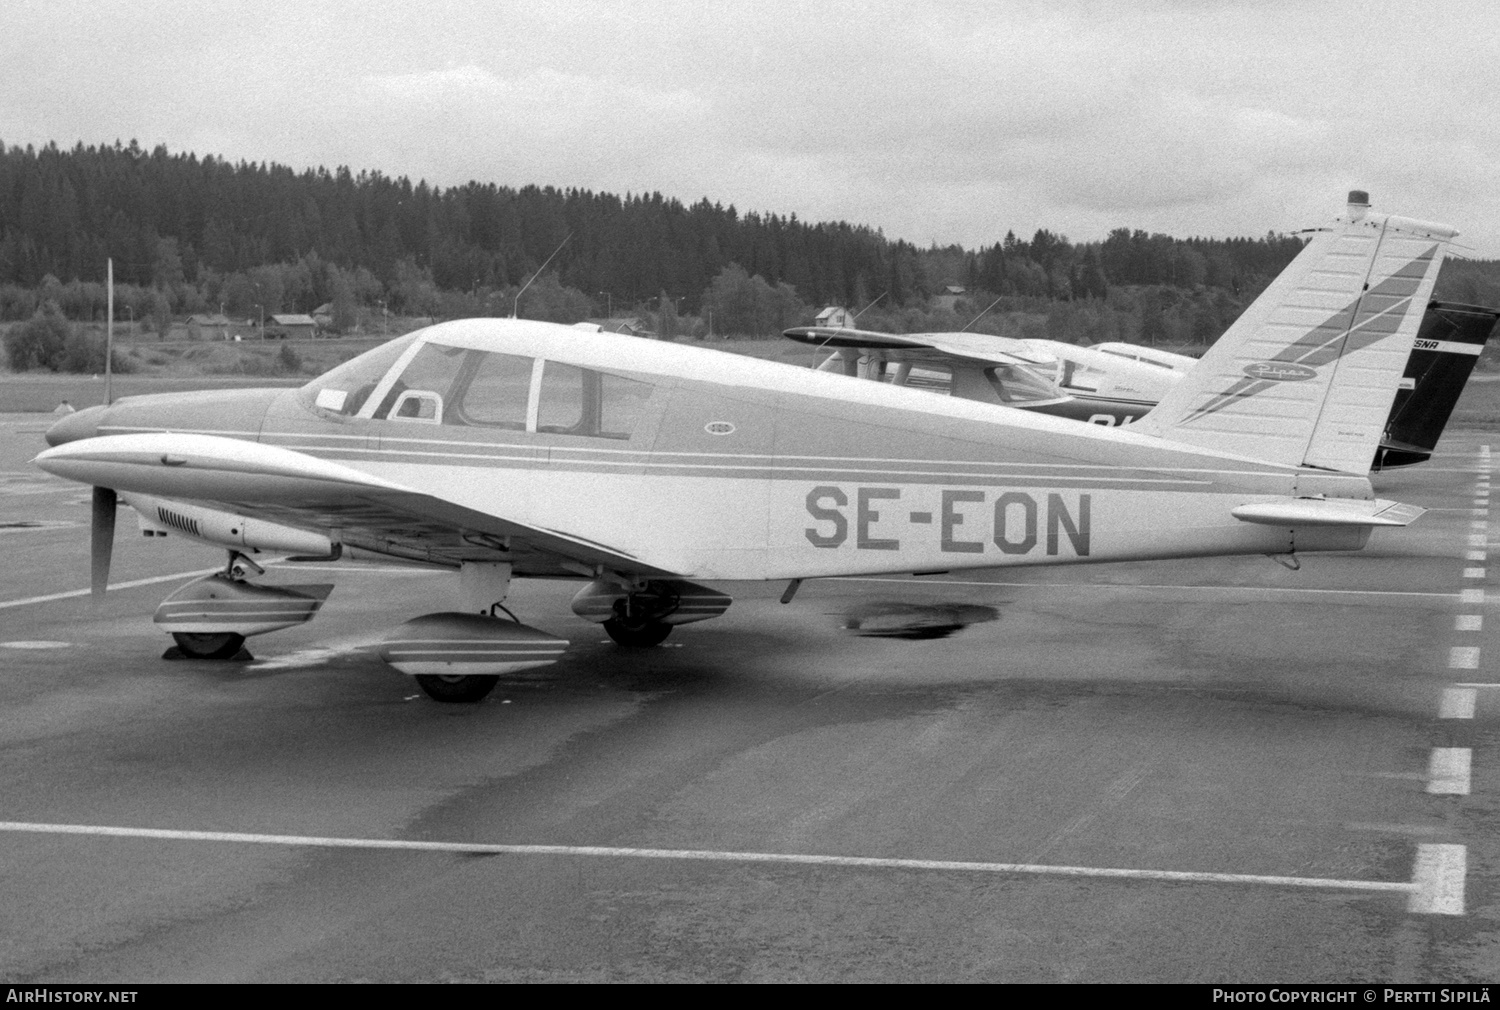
{"points": [[460, 656], [642, 614], [636, 632]]}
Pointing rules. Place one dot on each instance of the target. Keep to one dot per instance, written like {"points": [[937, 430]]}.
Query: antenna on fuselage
{"points": [[516, 305], [109, 333], [981, 315]]}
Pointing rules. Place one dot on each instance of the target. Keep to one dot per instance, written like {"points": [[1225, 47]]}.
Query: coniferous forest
{"points": [[193, 234]]}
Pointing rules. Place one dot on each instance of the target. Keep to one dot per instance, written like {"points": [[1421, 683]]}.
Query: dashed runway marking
{"points": [[1471, 596], [35, 645], [1436, 887], [1458, 703], [1463, 657], [1438, 880], [1448, 771], [1468, 622], [1473, 573]]}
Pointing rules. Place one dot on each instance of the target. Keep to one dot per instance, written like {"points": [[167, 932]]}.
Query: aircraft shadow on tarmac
{"points": [[914, 621]]}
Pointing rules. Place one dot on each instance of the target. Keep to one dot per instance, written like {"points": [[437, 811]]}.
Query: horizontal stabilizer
{"points": [[1328, 512]]}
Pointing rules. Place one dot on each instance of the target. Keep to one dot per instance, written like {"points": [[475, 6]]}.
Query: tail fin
{"points": [[1307, 374], [1448, 344]]}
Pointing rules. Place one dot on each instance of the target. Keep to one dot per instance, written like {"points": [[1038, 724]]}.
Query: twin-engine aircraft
{"points": [[500, 448], [1116, 383]]}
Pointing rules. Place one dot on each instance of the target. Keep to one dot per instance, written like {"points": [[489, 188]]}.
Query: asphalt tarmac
{"points": [[1197, 771]]}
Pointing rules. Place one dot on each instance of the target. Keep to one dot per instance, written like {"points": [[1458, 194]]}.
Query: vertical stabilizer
{"points": [[1307, 374]]}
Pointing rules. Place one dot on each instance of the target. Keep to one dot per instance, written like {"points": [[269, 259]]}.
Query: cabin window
{"points": [[581, 401], [426, 383], [1081, 377], [1015, 384], [343, 390], [493, 391], [931, 377]]}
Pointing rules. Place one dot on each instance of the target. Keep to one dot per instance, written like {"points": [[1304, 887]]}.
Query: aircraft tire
{"points": [[637, 636], [457, 689], [223, 645]]}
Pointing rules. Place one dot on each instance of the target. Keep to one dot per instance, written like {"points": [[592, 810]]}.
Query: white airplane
{"points": [[1111, 383], [500, 448], [1117, 383]]}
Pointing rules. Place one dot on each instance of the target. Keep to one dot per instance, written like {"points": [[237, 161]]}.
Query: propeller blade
{"points": [[102, 539]]}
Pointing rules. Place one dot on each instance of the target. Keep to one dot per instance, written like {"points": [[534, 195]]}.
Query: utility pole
{"points": [[109, 332]]}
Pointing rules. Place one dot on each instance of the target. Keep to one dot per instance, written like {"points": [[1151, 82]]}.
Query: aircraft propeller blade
{"points": [[102, 539]]}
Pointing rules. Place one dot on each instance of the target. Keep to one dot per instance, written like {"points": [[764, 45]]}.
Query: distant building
{"points": [[630, 326], [835, 316], [295, 327], [323, 315], [208, 326], [949, 297]]}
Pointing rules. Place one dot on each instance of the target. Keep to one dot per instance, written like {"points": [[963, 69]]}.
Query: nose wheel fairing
{"points": [[219, 604]]}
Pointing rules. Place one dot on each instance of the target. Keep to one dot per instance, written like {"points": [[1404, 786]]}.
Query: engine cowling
{"points": [[161, 517]]}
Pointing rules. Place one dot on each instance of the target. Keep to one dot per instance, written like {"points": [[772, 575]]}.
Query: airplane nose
{"points": [[80, 424]]}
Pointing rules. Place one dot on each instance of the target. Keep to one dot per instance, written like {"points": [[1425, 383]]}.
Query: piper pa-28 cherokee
{"points": [[502, 448]]}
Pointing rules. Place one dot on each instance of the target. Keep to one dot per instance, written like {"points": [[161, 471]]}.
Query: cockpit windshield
{"points": [[1019, 384], [345, 389]]}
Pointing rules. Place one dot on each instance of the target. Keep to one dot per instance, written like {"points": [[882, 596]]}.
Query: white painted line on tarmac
{"points": [[1471, 596], [1196, 589], [1479, 540], [1478, 684], [1396, 829], [1475, 556], [1424, 881], [1438, 880], [37, 644], [1448, 771], [1473, 573], [112, 586], [1458, 703], [1475, 524], [383, 569], [1468, 622], [1463, 657]]}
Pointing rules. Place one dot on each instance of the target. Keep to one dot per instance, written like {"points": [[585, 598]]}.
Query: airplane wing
{"points": [[921, 348], [295, 489]]}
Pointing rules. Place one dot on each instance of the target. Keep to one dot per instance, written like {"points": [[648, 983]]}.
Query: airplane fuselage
{"points": [[731, 468]]}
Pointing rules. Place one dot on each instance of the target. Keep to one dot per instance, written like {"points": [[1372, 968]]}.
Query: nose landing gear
{"points": [[211, 617]]}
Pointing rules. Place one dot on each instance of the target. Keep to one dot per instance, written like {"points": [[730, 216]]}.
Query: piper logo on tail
{"points": [[1280, 371]]}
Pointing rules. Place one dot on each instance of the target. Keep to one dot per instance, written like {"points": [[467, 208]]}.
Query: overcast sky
{"points": [[934, 121]]}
